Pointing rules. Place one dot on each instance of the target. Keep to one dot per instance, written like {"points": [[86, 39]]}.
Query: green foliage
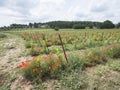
{"points": [[30, 25], [72, 81], [75, 62], [28, 44], [79, 26], [113, 51], [35, 50], [3, 36], [101, 70], [46, 65], [107, 25], [93, 57], [6, 79], [56, 29], [63, 25], [35, 25], [118, 25], [115, 65]]}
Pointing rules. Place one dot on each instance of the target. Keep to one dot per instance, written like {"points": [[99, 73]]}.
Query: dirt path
{"points": [[13, 54]]}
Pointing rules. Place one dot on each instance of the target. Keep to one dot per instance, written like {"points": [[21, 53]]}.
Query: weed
{"points": [[115, 65], [113, 51]]}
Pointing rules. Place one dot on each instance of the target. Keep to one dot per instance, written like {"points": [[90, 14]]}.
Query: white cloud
{"points": [[58, 2], [25, 11]]}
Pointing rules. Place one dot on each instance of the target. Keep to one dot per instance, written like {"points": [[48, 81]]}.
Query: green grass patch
{"points": [[115, 65]]}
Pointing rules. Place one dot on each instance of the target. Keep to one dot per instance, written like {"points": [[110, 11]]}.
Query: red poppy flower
{"points": [[23, 63], [20, 66], [27, 60], [34, 59]]}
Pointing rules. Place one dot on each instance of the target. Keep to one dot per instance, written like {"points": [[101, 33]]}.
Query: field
{"points": [[68, 59]]}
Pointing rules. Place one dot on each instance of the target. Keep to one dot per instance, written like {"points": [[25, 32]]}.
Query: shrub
{"points": [[44, 65], [28, 44], [75, 62], [2, 36], [115, 65], [56, 29], [113, 51], [79, 26], [93, 57], [72, 81], [34, 50]]}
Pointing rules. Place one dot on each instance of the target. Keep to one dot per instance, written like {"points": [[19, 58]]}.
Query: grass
{"points": [[2, 50], [101, 75], [6, 80], [103, 78], [74, 78], [115, 65]]}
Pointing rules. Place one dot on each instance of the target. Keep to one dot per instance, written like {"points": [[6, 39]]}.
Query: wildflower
{"points": [[23, 63], [20, 66], [34, 59], [26, 65], [27, 60]]}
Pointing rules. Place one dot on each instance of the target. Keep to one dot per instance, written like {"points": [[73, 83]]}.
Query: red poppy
{"points": [[26, 65], [23, 63], [27, 60], [34, 59], [20, 66]]}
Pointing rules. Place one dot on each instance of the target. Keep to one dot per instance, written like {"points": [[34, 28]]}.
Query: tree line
{"points": [[65, 25]]}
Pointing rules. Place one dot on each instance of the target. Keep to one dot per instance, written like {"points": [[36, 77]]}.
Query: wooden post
{"points": [[63, 48]]}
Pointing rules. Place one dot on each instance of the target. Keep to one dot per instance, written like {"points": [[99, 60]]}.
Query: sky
{"points": [[25, 11]]}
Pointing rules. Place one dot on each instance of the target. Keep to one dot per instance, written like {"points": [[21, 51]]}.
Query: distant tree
{"points": [[107, 25], [30, 25], [35, 25], [5, 28], [56, 29], [65, 25], [78, 26], [118, 25]]}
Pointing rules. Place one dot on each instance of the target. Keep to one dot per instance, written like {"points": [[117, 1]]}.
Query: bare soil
{"points": [[13, 55]]}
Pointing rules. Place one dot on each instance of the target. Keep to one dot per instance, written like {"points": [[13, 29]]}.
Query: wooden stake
{"points": [[63, 48]]}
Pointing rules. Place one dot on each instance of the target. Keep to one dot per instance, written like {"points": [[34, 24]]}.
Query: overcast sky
{"points": [[25, 11]]}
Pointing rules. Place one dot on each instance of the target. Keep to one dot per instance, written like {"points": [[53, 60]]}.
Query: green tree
{"points": [[56, 29], [35, 25], [30, 25], [118, 25], [78, 26], [107, 25]]}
